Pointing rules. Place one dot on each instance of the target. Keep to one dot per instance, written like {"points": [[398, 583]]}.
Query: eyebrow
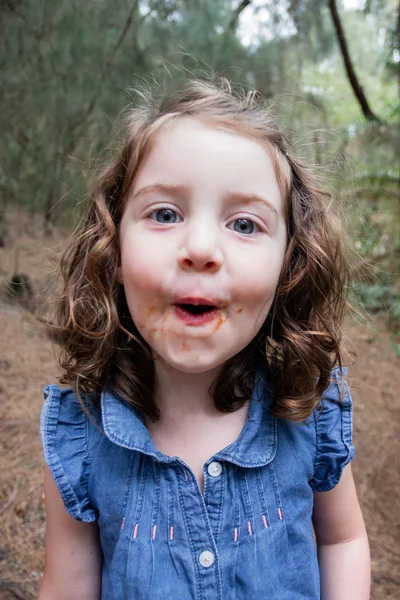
{"points": [[183, 190], [171, 189], [240, 198]]}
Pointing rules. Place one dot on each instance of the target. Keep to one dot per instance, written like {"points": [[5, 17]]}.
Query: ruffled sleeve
{"points": [[334, 433], [64, 436]]}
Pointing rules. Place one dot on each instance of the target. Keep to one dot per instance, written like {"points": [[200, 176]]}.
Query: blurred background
{"points": [[330, 71]]}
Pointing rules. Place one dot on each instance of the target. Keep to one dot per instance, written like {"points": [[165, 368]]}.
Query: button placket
{"points": [[214, 487], [201, 540]]}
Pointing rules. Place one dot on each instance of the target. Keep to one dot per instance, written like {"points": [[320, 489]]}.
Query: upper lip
{"points": [[197, 301]]}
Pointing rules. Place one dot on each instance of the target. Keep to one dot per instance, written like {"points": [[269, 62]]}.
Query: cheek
{"points": [[144, 271], [139, 268], [257, 279], [256, 287]]}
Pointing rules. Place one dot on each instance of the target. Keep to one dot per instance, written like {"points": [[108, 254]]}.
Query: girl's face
{"points": [[202, 239]]}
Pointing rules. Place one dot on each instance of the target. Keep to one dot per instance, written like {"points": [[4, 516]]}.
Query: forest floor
{"points": [[27, 363]]}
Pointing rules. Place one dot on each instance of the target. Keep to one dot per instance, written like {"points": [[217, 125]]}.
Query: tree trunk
{"points": [[236, 14], [357, 89]]}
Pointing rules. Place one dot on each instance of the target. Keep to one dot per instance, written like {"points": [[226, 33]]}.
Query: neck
{"points": [[182, 396]]}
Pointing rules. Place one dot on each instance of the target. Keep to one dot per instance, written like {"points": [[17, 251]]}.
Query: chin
{"points": [[196, 364]]}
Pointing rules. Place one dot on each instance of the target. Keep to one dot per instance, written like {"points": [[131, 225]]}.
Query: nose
{"points": [[201, 249]]}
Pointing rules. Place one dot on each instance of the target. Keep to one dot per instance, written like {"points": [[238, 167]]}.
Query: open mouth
{"points": [[196, 309], [196, 314]]}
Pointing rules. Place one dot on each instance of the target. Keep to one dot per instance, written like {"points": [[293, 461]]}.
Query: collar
{"points": [[255, 446]]}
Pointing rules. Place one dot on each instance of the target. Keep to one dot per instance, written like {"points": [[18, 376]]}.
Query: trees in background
{"points": [[66, 68], [331, 74]]}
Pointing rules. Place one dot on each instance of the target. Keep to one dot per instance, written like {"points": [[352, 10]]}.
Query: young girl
{"points": [[205, 437]]}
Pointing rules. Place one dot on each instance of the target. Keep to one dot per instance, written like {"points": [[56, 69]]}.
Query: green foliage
{"points": [[375, 224], [378, 297], [67, 69]]}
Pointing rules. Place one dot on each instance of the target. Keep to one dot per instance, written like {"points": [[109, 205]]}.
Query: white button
{"points": [[206, 559], [214, 469]]}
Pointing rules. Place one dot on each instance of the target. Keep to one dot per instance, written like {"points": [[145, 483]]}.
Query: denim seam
{"points": [[221, 493], [261, 497], [210, 538], [188, 527], [155, 510], [128, 479], [277, 495], [246, 500]]}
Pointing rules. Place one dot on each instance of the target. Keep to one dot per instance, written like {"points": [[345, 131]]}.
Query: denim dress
{"points": [[248, 536]]}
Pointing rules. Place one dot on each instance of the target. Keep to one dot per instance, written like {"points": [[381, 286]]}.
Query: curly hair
{"points": [[300, 341]]}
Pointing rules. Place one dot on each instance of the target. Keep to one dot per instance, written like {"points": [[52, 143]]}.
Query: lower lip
{"points": [[200, 319]]}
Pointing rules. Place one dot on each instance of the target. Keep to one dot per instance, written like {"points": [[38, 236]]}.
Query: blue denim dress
{"points": [[249, 536]]}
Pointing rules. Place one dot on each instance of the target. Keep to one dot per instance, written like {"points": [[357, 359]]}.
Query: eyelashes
{"points": [[169, 216]]}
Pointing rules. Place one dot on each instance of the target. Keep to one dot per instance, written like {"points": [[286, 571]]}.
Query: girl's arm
{"points": [[73, 553], [343, 550]]}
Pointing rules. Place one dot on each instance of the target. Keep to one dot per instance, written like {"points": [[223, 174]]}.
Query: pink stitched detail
{"points": [[135, 530], [154, 532], [235, 534], [171, 533], [249, 528], [280, 514], [264, 520], [123, 523]]}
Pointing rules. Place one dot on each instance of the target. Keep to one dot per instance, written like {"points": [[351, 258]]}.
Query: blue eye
{"points": [[165, 215], [244, 226]]}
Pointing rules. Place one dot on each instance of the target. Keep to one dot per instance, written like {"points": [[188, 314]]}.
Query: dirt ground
{"points": [[27, 363]]}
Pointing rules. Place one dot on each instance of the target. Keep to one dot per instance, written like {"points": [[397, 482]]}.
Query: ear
{"points": [[119, 275]]}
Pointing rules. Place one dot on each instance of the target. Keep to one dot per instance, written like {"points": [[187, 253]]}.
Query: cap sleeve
{"points": [[334, 433], [64, 437]]}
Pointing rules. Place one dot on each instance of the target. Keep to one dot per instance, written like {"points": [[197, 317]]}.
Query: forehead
{"points": [[209, 158]]}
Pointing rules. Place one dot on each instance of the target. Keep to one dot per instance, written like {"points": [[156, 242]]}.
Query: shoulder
{"points": [[324, 440], [65, 423], [333, 422], [57, 402], [65, 416]]}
